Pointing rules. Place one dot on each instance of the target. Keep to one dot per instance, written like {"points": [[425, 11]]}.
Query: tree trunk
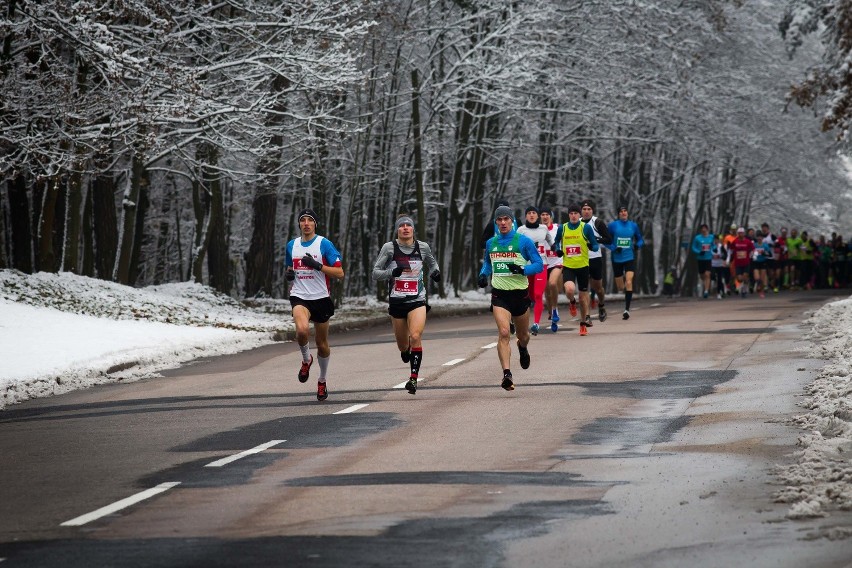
{"points": [[105, 225], [21, 239], [128, 223], [142, 206], [218, 268], [73, 222], [47, 259]]}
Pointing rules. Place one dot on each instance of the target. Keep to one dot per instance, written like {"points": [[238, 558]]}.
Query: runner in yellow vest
{"points": [[506, 257], [574, 240]]}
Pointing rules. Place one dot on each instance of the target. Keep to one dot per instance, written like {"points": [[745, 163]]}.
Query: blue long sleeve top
{"points": [[625, 237]]}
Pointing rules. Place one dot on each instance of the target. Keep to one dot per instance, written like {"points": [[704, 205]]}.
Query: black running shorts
{"points": [[581, 275], [401, 311], [596, 268], [704, 266], [619, 268], [517, 302], [321, 310]]}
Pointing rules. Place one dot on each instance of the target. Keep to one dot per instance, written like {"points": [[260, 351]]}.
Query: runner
{"points": [[626, 241], [554, 271], [719, 264], [739, 253], [702, 246], [759, 263], [403, 261], [574, 240], [312, 261], [505, 261], [587, 215], [540, 235], [794, 258]]}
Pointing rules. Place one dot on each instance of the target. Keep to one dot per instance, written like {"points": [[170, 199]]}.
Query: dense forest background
{"points": [[148, 141]]}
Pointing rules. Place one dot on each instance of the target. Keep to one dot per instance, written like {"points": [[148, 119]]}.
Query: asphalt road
{"points": [[650, 442]]}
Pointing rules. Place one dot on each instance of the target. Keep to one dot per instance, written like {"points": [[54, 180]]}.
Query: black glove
{"points": [[515, 268], [617, 249], [397, 272], [290, 274], [559, 253], [436, 276], [483, 281], [310, 262]]}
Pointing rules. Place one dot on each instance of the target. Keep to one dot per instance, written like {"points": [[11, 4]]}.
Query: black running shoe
{"points": [[625, 315], [525, 357], [411, 385], [322, 392], [601, 314], [588, 320], [507, 381], [405, 356], [305, 371]]}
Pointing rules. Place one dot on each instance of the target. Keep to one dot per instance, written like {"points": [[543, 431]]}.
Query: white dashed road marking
{"points": [[119, 505], [490, 345], [452, 362], [352, 408], [235, 457]]}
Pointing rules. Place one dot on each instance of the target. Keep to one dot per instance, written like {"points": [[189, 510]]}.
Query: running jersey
{"points": [[593, 222], [501, 256], [311, 284], [781, 248], [741, 251], [625, 236], [718, 255], [408, 285], [794, 248], [575, 248], [702, 246], [760, 254], [553, 258], [540, 236]]}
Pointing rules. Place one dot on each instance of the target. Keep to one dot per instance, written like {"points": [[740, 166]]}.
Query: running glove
{"points": [[557, 251], [290, 274], [435, 276], [309, 261], [483, 281], [515, 268], [617, 249]]}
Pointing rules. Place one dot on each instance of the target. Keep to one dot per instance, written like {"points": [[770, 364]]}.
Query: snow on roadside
{"points": [[821, 478]]}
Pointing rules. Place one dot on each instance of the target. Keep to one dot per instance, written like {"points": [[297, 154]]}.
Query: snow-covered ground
{"points": [[60, 332]]}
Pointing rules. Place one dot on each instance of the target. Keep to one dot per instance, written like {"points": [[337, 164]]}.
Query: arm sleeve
{"points": [[558, 238], [640, 242], [288, 255], [603, 230], [486, 263], [330, 255], [430, 263], [380, 267], [696, 246]]}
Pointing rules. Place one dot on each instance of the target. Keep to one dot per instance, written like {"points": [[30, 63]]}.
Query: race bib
{"points": [[705, 247], [405, 286], [623, 242], [741, 254], [573, 250]]}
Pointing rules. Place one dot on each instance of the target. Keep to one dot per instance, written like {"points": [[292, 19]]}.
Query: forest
{"points": [[145, 141]]}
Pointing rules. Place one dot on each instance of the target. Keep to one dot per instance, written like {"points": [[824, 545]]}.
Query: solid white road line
{"points": [[235, 457], [119, 505], [490, 345], [401, 385], [453, 362], [352, 408]]}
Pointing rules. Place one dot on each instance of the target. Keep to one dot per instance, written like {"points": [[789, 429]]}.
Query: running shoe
{"points": [[583, 329], [525, 357], [762, 295], [554, 315], [554, 327], [594, 304], [625, 315], [588, 321], [411, 385], [719, 296], [706, 293], [405, 355], [507, 381], [601, 314], [572, 308], [305, 371], [534, 329], [322, 392]]}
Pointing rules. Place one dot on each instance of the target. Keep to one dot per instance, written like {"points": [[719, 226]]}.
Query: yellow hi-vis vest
{"points": [[575, 249]]}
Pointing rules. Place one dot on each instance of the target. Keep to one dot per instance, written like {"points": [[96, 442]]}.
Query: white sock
{"points": [[323, 365], [306, 352]]}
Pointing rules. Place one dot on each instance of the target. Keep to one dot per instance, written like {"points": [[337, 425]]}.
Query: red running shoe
{"points": [[322, 392], [583, 330], [305, 371], [572, 307]]}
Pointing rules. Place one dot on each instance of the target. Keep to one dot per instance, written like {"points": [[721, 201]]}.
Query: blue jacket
{"points": [[698, 245], [528, 250], [625, 237]]}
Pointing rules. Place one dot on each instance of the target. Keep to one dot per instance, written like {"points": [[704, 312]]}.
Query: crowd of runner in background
{"points": [[748, 260]]}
